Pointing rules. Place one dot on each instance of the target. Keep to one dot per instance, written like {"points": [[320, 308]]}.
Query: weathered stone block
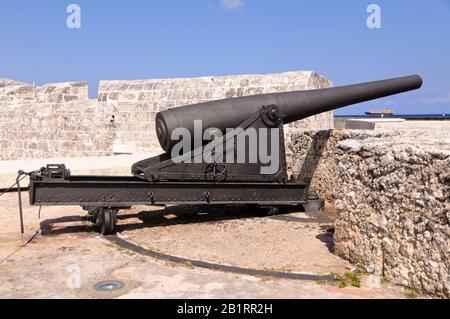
{"points": [[391, 190]]}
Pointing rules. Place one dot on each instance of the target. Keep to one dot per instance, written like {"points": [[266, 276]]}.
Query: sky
{"points": [[137, 39]]}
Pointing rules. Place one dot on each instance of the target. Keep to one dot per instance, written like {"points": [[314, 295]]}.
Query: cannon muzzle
{"points": [[296, 105]]}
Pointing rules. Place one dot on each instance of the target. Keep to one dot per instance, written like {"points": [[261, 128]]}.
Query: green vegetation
{"points": [[120, 249], [349, 278], [361, 269], [412, 294]]}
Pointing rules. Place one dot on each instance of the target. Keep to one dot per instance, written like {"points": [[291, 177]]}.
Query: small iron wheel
{"points": [[269, 210], [106, 221], [313, 205]]}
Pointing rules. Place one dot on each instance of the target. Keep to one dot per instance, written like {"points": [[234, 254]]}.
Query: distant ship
{"points": [[380, 113]]}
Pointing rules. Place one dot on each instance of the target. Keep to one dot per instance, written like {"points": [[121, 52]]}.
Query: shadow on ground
{"points": [[179, 215]]}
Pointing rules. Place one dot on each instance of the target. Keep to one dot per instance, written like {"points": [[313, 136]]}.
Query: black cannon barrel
{"points": [[295, 105]]}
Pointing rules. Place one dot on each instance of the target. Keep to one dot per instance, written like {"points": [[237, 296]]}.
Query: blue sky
{"points": [[153, 39]]}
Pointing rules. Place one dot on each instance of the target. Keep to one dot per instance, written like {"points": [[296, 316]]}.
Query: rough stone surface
{"points": [[53, 120], [58, 119], [52, 130], [135, 103], [391, 190]]}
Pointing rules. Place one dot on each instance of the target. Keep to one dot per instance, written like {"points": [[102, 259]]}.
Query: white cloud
{"points": [[231, 5]]}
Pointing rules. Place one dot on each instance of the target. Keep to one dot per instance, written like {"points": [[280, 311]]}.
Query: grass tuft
{"points": [[349, 278], [411, 294]]}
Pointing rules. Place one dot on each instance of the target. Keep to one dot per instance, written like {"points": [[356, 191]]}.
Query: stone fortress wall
{"points": [[59, 120], [391, 192], [51, 121]]}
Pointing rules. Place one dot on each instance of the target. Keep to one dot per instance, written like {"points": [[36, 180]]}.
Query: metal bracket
{"points": [[151, 195], [207, 195]]}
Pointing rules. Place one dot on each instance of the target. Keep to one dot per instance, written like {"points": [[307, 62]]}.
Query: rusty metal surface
{"points": [[125, 192]]}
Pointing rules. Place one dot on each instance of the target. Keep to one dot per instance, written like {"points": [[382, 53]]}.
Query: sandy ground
{"points": [[66, 258], [237, 236]]}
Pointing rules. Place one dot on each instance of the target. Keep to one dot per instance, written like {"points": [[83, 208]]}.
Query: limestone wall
{"points": [[135, 103], [58, 120], [391, 190], [14, 92], [47, 130], [54, 120]]}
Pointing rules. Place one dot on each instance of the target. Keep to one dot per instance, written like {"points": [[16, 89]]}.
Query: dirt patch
{"points": [[237, 236]]}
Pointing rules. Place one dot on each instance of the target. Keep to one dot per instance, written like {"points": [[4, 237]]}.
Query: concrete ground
{"points": [[66, 258]]}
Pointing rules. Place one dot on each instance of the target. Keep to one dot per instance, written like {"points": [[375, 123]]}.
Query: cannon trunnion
{"points": [[239, 159]]}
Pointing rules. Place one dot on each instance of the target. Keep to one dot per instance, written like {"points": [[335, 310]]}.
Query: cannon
{"points": [[225, 152]]}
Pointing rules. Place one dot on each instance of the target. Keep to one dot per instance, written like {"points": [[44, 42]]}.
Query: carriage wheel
{"points": [[106, 220]]}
